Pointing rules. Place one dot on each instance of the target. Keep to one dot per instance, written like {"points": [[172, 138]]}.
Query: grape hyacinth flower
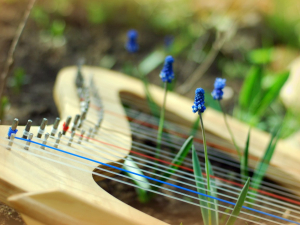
{"points": [[132, 45], [199, 101], [217, 94], [218, 91], [199, 107], [167, 74]]}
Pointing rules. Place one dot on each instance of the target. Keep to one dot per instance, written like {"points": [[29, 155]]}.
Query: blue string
{"points": [[163, 182], [11, 131]]}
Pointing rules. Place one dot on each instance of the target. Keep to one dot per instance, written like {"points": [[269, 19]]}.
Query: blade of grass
{"points": [[251, 87], [238, 206], [140, 181], [271, 94], [244, 160], [178, 160], [263, 165], [200, 186], [213, 192]]}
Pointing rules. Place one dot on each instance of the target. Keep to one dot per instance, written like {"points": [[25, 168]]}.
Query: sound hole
{"points": [[165, 207]]}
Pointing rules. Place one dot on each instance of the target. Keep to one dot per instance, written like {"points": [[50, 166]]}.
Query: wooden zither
{"points": [[49, 173]]}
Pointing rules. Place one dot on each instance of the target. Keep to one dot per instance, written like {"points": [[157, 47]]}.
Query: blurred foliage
{"points": [[4, 103], [284, 20], [258, 92], [18, 80], [262, 34]]}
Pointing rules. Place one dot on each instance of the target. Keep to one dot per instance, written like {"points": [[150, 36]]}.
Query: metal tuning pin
{"points": [[79, 78], [66, 125], [76, 119], [11, 141], [29, 141], [27, 129], [55, 126], [57, 139], [13, 128], [71, 138], [45, 140], [81, 136], [89, 134], [82, 118], [42, 128]]}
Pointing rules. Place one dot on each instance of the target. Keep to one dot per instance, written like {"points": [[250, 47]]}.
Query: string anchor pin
{"points": [[29, 141], [42, 128], [11, 141], [45, 140], [57, 140]]}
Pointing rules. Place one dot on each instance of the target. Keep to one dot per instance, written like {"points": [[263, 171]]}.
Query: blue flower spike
{"points": [[199, 101], [167, 74], [218, 91], [132, 45]]}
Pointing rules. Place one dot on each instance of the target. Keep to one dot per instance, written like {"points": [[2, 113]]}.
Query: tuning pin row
{"points": [[26, 135]]}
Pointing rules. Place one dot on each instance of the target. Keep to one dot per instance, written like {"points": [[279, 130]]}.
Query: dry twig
{"points": [[10, 58], [202, 68]]}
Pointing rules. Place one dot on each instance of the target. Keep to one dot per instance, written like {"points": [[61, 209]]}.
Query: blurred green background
{"points": [[252, 41]]}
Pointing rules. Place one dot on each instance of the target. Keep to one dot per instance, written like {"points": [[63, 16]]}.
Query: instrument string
{"points": [[166, 162], [149, 118], [143, 121], [111, 154], [183, 177], [129, 184], [286, 178], [188, 162], [154, 179]]}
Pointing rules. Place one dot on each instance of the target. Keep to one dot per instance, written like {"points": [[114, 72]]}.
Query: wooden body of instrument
{"points": [[46, 192]]}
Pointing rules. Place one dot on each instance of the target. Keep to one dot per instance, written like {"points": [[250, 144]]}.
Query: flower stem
{"points": [[206, 164], [161, 121], [230, 132]]}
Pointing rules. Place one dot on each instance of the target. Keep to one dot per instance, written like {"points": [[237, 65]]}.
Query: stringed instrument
{"points": [[51, 178]]}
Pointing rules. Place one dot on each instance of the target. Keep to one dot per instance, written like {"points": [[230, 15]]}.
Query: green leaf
{"points": [[239, 204], [140, 181], [178, 160], [200, 186], [251, 87], [263, 165], [152, 61], [272, 93], [244, 160], [261, 56], [213, 192]]}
